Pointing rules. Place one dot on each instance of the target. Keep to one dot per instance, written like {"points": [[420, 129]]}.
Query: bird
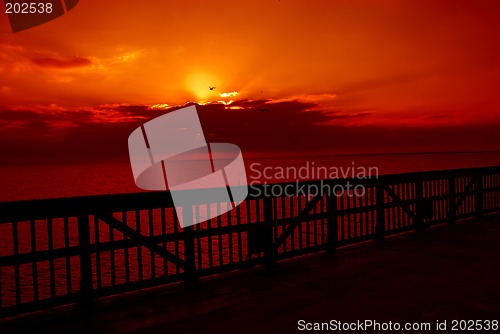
{"points": [[264, 110], [211, 88]]}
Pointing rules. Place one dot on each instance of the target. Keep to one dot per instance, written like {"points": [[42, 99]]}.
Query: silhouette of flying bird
{"points": [[264, 110], [211, 88]]}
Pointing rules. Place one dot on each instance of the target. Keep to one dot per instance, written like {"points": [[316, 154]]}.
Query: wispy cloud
{"points": [[74, 62]]}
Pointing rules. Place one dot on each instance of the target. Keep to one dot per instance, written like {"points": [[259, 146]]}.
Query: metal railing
{"points": [[58, 251]]}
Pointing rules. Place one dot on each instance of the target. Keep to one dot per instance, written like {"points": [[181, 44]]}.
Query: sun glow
{"points": [[199, 84]]}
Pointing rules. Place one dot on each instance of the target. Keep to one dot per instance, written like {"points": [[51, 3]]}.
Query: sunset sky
{"points": [[341, 76]]}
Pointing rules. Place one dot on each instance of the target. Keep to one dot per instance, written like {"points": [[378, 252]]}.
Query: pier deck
{"points": [[447, 272]]}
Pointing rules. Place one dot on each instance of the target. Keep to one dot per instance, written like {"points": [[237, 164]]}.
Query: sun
{"points": [[198, 84]]}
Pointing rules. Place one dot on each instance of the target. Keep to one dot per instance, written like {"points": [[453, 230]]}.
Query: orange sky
{"points": [[364, 63]]}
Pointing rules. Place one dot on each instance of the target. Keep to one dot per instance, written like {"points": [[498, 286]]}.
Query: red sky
{"points": [[335, 76]]}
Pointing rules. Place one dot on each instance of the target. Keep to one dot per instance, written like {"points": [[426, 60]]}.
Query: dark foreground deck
{"points": [[447, 272]]}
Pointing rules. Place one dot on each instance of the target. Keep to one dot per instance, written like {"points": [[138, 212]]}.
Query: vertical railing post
{"points": [[331, 223], [269, 258], [189, 254], [452, 207], [419, 193], [479, 196], [86, 282], [380, 211]]}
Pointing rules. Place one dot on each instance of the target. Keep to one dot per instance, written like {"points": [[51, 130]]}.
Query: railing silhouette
{"points": [[59, 251]]}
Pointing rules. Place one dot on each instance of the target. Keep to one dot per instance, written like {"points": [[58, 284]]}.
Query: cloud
{"points": [[100, 133], [439, 116], [16, 58], [338, 116], [75, 62]]}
